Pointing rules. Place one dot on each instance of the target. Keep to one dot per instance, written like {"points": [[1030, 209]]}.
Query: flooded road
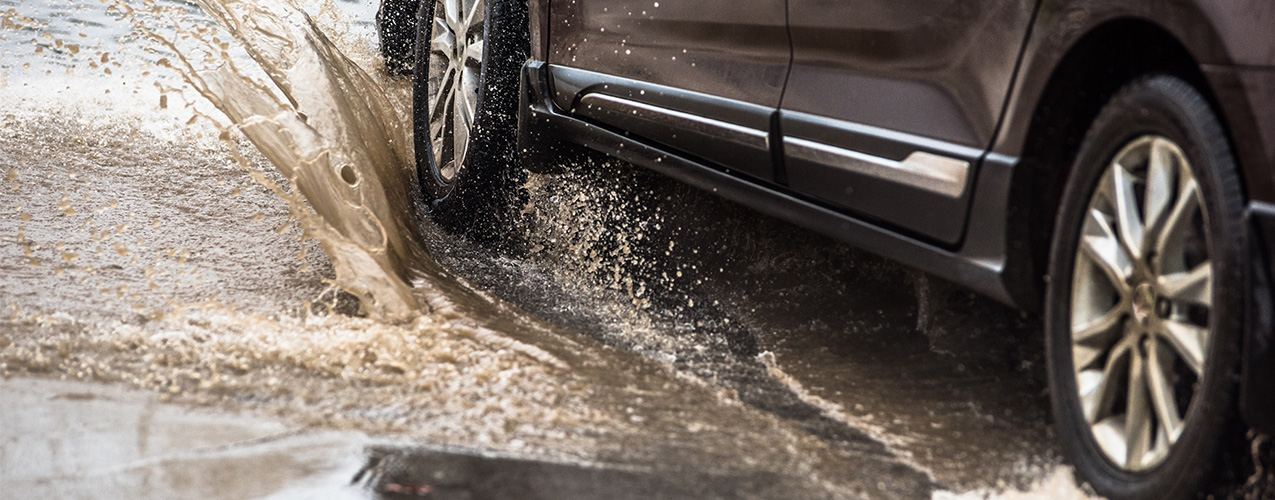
{"points": [[215, 282]]}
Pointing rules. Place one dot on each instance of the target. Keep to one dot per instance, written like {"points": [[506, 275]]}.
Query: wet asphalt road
{"points": [[801, 375], [167, 330]]}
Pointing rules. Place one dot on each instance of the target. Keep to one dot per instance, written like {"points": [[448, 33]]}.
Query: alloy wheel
{"points": [[1142, 293], [457, 42]]}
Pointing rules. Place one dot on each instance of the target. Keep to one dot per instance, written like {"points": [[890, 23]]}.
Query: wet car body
{"points": [[988, 99]]}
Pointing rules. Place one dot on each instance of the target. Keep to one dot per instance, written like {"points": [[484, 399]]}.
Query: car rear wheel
{"points": [[1145, 297], [465, 100]]}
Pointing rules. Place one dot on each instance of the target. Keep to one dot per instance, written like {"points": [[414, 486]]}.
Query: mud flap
{"points": [[1257, 378]]}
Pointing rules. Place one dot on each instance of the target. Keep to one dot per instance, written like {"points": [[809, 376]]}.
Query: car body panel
{"points": [[933, 68], [890, 79], [733, 53], [734, 49]]}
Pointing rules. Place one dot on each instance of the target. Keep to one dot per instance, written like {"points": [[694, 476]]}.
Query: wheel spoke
{"points": [[1189, 342], [1101, 244], [1159, 370], [436, 132], [475, 17], [1161, 169], [469, 94], [1092, 339], [1084, 356], [1098, 332], [438, 137], [436, 127], [1127, 217], [438, 123], [460, 131], [1110, 435], [474, 54], [464, 109], [1137, 413], [444, 42], [1096, 394], [1191, 287], [445, 95], [1178, 222], [453, 12]]}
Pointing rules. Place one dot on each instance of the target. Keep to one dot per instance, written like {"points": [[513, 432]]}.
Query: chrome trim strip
{"points": [[675, 120], [930, 172]]}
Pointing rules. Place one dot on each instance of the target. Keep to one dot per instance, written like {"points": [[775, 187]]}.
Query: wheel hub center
{"points": [[1144, 302]]}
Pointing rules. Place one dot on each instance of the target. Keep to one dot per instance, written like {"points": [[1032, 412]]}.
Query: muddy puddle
{"points": [[213, 202]]}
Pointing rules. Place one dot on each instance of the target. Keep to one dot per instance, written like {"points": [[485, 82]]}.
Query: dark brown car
{"points": [[1104, 162]]}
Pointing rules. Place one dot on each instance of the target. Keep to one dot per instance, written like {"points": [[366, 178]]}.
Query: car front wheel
{"points": [[1145, 296]]}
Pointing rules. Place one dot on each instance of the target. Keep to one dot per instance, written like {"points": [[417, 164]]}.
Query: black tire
{"points": [[396, 25], [1168, 107], [480, 201]]}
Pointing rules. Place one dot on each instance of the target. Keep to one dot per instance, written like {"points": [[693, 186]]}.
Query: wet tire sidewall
{"points": [[396, 27], [1170, 107]]}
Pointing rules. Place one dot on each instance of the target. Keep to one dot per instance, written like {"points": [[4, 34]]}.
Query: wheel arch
{"points": [[1091, 69]]}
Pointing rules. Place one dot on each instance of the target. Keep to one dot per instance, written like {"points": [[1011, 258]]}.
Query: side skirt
{"points": [[980, 264]]}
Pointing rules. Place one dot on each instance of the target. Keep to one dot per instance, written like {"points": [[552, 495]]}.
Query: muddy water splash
{"points": [[329, 128]]}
